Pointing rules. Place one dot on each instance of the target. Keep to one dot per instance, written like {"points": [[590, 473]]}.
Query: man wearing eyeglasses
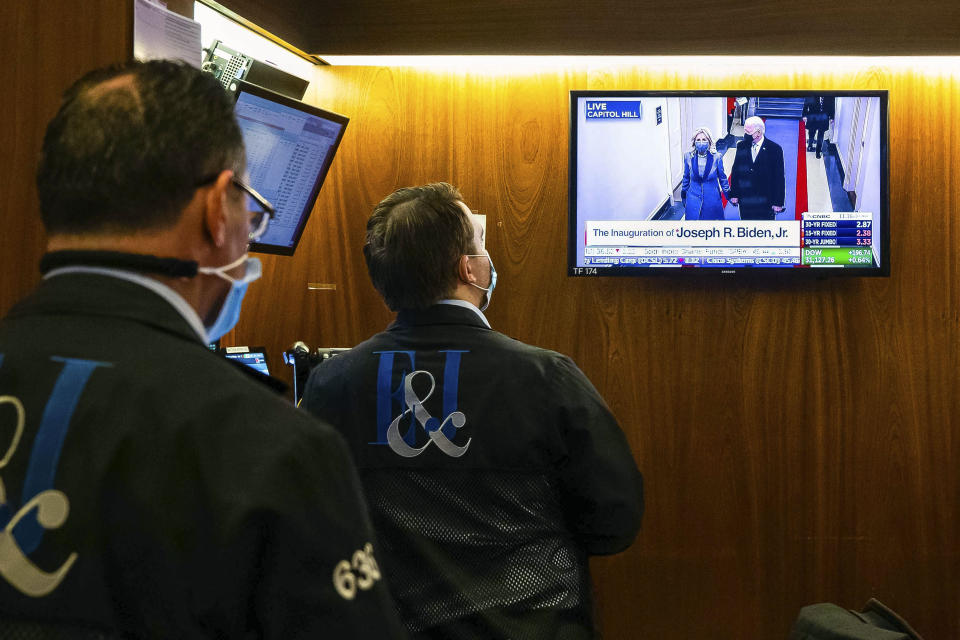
{"points": [[149, 487], [493, 468]]}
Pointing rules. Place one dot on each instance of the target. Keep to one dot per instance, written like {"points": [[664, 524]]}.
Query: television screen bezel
{"points": [[238, 86], [803, 272]]}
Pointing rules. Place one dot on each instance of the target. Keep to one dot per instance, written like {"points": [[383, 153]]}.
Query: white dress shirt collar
{"points": [[467, 305], [755, 148]]}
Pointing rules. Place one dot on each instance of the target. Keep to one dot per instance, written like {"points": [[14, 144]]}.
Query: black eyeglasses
{"points": [[261, 211]]}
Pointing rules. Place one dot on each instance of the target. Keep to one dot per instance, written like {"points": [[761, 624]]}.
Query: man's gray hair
{"points": [[757, 123]]}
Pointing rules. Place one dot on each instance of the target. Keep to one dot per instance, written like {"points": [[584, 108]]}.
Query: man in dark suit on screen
{"points": [[818, 112], [757, 184]]}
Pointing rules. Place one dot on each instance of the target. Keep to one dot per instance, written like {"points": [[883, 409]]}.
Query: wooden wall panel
{"points": [[45, 46], [798, 440]]}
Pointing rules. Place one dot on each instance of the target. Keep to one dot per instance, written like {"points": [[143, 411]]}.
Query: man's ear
{"points": [[465, 271], [215, 209]]}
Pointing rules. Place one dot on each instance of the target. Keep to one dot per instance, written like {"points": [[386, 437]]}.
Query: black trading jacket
{"points": [[177, 497], [492, 469]]}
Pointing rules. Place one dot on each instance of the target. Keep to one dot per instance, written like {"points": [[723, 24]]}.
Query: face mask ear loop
{"points": [[219, 271], [478, 255], [493, 283]]}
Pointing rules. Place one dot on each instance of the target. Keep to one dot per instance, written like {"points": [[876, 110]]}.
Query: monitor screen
{"points": [[253, 357], [788, 182], [290, 146]]}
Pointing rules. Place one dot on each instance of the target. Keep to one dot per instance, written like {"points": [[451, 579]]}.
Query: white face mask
{"points": [[230, 311]]}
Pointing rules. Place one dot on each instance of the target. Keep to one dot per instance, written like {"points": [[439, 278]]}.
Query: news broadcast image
{"points": [[730, 181]]}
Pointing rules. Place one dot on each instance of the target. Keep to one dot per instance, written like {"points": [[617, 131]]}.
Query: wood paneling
{"points": [[44, 46], [798, 440], [609, 27]]}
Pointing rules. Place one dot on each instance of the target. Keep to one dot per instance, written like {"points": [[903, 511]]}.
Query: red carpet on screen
{"points": [[801, 171]]}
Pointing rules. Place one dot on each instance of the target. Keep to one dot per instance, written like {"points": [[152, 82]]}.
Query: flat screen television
{"points": [[290, 146], [806, 194]]}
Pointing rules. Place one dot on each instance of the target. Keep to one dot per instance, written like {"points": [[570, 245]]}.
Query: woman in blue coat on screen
{"points": [[703, 179]]}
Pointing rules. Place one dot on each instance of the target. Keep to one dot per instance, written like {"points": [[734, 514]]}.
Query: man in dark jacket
{"points": [[149, 487], [757, 180], [492, 468], [818, 114]]}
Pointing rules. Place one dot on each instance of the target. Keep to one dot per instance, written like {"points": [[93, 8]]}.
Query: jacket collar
{"points": [[94, 295], [438, 314], [87, 294]]}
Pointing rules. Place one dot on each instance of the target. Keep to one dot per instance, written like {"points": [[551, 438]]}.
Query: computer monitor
{"points": [[290, 146], [253, 357]]}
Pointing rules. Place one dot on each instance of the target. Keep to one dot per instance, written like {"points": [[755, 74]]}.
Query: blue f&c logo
{"points": [[41, 506], [400, 410]]}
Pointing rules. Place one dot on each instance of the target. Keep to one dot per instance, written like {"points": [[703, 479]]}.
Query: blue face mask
{"points": [[230, 311], [702, 147], [493, 281]]}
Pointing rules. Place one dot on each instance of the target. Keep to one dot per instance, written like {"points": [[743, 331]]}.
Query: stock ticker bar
{"points": [[837, 238]]}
